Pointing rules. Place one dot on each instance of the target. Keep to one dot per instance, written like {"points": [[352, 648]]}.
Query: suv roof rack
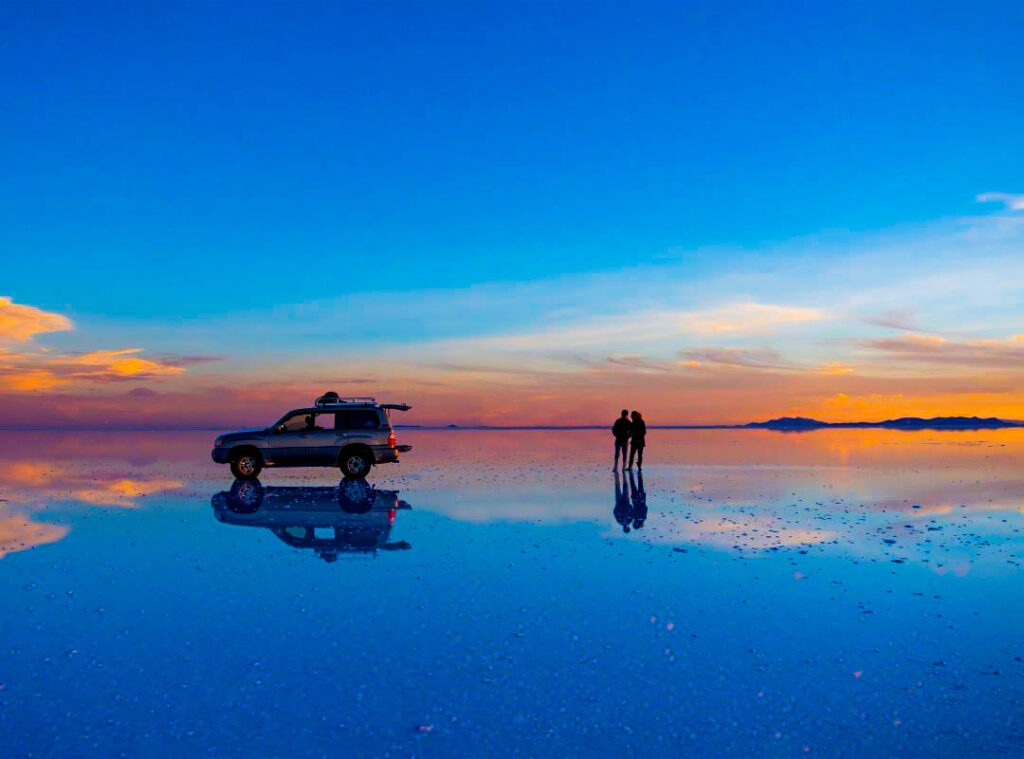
{"points": [[330, 399], [347, 402]]}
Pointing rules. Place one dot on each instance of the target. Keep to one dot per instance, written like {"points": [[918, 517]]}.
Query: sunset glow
{"points": [[750, 256], [511, 379]]}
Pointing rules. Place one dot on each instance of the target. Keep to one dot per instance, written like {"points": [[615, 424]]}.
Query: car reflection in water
{"points": [[353, 518]]}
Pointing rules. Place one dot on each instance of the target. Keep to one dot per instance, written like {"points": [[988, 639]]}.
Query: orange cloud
{"points": [[26, 380], [28, 372], [23, 370], [19, 322], [117, 363], [847, 407]]}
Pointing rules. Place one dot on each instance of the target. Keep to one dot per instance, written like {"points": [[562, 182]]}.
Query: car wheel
{"points": [[246, 466], [355, 464]]}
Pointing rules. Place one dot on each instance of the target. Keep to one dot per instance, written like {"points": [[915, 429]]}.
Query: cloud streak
{"points": [[935, 350], [647, 326], [20, 323], [1012, 201]]}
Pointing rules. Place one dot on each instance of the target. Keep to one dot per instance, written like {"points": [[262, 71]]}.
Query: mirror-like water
{"points": [[837, 593]]}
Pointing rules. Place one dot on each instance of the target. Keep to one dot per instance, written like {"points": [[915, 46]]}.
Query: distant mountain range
{"points": [[903, 423]]}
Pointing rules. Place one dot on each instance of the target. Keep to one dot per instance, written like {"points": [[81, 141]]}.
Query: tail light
{"points": [[391, 439]]}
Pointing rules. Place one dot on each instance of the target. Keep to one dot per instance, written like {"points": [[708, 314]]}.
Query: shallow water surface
{"points": [[499, 593]]}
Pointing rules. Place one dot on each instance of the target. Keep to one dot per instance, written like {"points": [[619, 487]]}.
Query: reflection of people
{"points": [[638, 431], [621, 430], [623, 510], [639, 497]]}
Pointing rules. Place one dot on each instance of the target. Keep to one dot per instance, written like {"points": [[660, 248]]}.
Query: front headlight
{"points": [[218, 443]]}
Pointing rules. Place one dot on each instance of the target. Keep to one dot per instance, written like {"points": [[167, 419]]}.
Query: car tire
{"points": [[355, 464], [246, 465]]}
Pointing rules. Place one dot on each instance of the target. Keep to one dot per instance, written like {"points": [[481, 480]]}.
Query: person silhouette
{"points": [[638, 431], [623, 510], [639, 498], [621, 430]]}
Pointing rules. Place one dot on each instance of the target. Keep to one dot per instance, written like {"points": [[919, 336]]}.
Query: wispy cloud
{"points": [[652, 325], [895, 319], [931, 349], [745, 358], [1012, 201]]}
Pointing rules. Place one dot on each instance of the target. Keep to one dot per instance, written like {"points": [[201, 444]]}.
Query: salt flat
{"points": [[835, 593]]}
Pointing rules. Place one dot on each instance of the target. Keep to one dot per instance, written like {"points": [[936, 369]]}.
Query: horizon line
{"points": [[745, 425]]}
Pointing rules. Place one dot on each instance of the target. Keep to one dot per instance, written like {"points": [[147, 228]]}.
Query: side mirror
{"points": [[278, 428]]}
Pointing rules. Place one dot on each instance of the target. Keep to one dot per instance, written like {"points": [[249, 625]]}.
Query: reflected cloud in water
{"points": [[354, 518], [940, 498], [755, 577], [28, 488], [19, 533]]}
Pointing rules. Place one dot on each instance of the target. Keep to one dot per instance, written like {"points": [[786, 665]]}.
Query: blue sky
{"points": [[175, 170]]}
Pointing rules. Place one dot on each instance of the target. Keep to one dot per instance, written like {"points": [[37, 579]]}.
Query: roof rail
{"points": [[347, 402], [331, 398]]}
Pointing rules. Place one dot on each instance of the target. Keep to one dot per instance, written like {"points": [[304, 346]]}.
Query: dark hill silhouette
{"points": [[902, 423], [789, 423]]}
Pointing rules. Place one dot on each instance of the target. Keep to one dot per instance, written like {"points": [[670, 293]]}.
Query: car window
{"points": [[309, 421], [358, 419], [294, 423], [325, 421]]}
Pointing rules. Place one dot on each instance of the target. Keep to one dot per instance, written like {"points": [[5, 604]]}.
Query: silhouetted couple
{"points": [[630, 434], [630, 502]]}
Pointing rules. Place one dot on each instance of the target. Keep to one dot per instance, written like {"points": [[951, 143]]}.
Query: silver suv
{"points": [[352, 434]]}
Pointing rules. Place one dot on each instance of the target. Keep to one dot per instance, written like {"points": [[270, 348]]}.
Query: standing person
{"points": [[638, 430], [621, 430]]}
